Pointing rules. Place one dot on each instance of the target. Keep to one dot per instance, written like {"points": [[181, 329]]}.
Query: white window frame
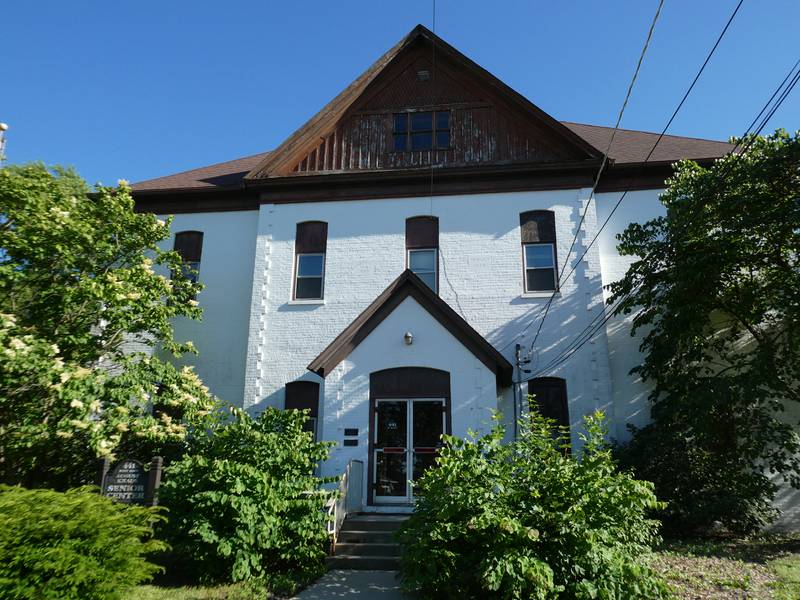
{"points": [[298, 277], [435, 264], [526, 268]]}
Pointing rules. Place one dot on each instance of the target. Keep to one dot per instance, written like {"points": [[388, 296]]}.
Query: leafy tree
{"points": [[530, 520], [717, 293], [82, 280], [245, 502]]}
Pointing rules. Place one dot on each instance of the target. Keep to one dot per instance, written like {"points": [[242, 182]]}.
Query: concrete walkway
{"points": [[364, 585]]}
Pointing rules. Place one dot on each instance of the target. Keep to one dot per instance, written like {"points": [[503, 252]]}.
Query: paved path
{"points": [[363, 585]]}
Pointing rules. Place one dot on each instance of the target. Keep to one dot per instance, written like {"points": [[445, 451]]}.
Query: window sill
{"points": [[309, 301], [557, 294]]}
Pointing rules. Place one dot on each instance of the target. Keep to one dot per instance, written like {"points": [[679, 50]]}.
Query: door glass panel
{"points": [[392, 425], [427, 423], [422, 462], [391, 474]]}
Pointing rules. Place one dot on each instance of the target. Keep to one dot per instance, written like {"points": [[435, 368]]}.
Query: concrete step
{"points": [[347, 549], [363, 563], [374, 522], [366, 537]]}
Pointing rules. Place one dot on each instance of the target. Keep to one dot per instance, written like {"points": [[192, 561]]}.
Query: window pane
{"points": [[427, 425], [541, 280], [421, 141], [443, 139], [400, 142], [390, 474], [309, 287], [392, 424], [539, 255], [421, 121], [310, 265], [429, 279], [443, 120], [422, 260], [400, 122], [190, 270]]}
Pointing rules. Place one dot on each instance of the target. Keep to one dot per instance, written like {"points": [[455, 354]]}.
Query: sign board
{"points": [[129, 482]]}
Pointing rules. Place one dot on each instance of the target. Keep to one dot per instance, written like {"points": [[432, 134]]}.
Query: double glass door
{"points": [[406, 436]]}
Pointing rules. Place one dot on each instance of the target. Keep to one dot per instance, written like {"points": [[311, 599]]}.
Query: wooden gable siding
{"points": [[479, 135], [484, 129]]}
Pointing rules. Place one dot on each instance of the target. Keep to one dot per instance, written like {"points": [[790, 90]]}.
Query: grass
{"points": [[758, 568], [220, 592]]}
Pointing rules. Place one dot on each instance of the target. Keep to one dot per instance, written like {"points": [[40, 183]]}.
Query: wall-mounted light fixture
{"points": [[408, 338]]}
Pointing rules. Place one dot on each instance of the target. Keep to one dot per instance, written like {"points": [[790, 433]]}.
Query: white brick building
{"points": [[426, 163]]}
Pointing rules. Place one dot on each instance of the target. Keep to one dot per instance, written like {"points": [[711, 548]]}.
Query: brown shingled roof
{"points": [[629, 146], [227, 174]]}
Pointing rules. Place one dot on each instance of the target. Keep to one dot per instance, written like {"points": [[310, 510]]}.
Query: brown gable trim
{"points": [[308, 136], [408, 284]]}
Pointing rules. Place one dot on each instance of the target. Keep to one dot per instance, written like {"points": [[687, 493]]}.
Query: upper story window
{"points": [[421, 130], [422, 249], [538, 231], [311, 240], [189, 245]]}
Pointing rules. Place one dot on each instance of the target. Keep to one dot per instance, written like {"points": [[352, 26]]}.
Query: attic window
{"points": [[423, 75], [421, 130]]}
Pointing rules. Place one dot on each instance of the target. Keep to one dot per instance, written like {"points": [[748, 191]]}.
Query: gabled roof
{"points": [[320, 124], [630, 147], [408, 284], [228, 174]]}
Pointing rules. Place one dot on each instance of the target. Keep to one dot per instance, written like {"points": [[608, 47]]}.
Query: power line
{"points": [[581, 339], [602, 165], [647, 158]]}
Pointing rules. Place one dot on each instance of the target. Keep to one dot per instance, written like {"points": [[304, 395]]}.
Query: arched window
{"points": [[310, 243], [538, 231], [550, 397], [422, 249], [189, 244]]}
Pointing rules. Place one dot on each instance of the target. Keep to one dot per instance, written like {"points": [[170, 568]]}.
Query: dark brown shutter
{"points": [[537, 226], [550, 396], [189, 244], [422, 232], [311, 237], [301, 395]]}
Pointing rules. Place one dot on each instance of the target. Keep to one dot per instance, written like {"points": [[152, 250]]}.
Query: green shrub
{"points": [[245, 502], [74, 544], [704, 487], [529, 520]]}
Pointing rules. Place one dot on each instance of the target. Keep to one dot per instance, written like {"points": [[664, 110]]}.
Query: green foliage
{"points": [[73, 545], [78, 285], [245, 502], [529, 520], [717, 292]]}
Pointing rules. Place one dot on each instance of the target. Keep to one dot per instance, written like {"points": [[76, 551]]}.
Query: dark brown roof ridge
{"points": [[666, 135], [408, 284]]}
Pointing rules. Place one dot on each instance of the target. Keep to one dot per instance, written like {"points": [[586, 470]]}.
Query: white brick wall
{"points": [[480, 277], [226, 269]]}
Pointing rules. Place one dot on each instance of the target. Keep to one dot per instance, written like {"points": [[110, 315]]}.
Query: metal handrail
{"points": [[346, 499]]}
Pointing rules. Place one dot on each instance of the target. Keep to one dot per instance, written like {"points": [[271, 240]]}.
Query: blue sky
{"points": [[137, 89]]}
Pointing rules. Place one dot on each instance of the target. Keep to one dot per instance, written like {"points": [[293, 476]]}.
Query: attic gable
{"points": [[486, 121]]}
